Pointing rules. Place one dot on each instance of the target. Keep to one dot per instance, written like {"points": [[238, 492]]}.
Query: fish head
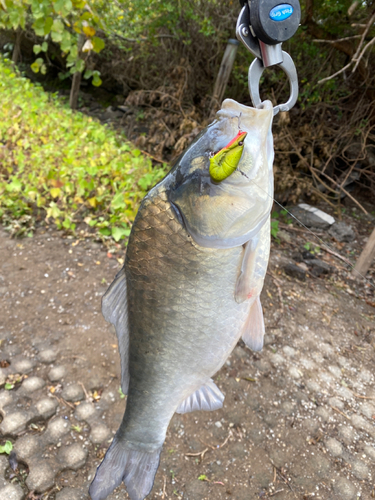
{"points": [[221, 187]]}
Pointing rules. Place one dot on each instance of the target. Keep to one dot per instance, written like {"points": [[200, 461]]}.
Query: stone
{"points": [[2, 377], [99, 433], [72, 457], [321, 465], [323, 413], [57, 373], [85, 411], [368, 410], [295, 271], [22, 366], [47, 356], [347, 434], [336, 403], [46, 407], [70, 494], [11, 492], [6, 397], [27, 446], [56, 429], [319, 267], [369, 451], [14, 423], [359, 469], [312, 216], [73, 392], [294, 372], [41, 477], [284, 236], [344, 489], [360, 423], [4, 463], [289, 351], [334, 447], [345, 393], [32, 384], [336, 371], [342, 232]]}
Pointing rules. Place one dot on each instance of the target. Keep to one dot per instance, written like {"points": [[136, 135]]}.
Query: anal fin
{"points": [[207, 398], [253, 333], [115, 311]]}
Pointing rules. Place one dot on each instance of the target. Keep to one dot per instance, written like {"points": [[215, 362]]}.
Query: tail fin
{"points": [[135, 467]]}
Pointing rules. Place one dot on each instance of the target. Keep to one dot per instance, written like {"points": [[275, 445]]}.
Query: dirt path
{"points": [[298, 420]]}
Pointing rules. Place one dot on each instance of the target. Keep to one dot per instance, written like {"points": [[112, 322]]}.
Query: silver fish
{"points": [[189, 289]]}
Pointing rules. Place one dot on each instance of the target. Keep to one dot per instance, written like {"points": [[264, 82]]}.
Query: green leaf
{"points": [[88, 74], [96, 81], [203, 477], [98, 44], [44, 46], [8, 386], [119, 232], [6, 448], [37, 49]]}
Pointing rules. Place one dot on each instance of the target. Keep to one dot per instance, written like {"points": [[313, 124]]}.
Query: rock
{"points": [[41, 477], [72, 457], [359, 469], [26, 446], [284, 236], [336, 403], [70, 494], [32, 384], [344, 489], [56, 429], [85, 411], [46, 407], [312, 216], [342, 232], [2, 377], [11, 492], [318, 267], [368, 410], [14, 423], [334, 447], [48, 356], [347, 434], [73, 392], [99, 433], [22, 365], [295, 271], [57, 373], [6, 397]]}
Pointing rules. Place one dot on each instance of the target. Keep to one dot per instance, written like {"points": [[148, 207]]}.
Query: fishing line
{"points": [[323, 244]]}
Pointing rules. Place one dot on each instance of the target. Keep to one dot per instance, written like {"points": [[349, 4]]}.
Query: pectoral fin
{"points": [[115, 311], [254, 330], [254, 265], [207, 398]]}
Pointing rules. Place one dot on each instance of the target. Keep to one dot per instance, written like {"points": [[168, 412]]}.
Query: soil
{"points": [[298, 420]]}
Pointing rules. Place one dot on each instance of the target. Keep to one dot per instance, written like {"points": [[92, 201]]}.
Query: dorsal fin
{"points": [[207, 398], [254, 330], [115, 311]]}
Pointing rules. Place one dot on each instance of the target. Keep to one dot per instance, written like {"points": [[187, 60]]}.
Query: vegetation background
{"points": [[156, 61]]}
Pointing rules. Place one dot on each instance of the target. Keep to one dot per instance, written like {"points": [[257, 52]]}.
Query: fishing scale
{"points": [[262, 26]]}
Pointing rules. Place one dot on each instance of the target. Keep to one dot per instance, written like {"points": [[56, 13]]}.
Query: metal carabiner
{"points": [[265, 56], [255, 72]]}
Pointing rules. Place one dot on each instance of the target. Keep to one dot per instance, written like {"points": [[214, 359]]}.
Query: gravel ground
{"points": [[298, 420]]}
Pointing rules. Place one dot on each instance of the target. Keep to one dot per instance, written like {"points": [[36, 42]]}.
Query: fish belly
{"points": [[183, 318]]}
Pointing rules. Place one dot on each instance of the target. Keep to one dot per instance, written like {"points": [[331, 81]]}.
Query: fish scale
{"points": [[194, 269]]}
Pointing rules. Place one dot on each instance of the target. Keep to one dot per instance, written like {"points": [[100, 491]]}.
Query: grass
{"points": [[64, 167]]}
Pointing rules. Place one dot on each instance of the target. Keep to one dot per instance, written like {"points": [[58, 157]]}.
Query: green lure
{"points": [[225, 162]]}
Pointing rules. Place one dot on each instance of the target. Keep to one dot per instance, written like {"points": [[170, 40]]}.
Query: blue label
{"points": [[281, 12]]}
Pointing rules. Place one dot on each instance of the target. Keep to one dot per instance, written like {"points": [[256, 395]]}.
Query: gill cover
{"points": [[228, 213]]}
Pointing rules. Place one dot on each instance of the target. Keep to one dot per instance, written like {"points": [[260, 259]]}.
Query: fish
{"points": [[189, 289]]}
